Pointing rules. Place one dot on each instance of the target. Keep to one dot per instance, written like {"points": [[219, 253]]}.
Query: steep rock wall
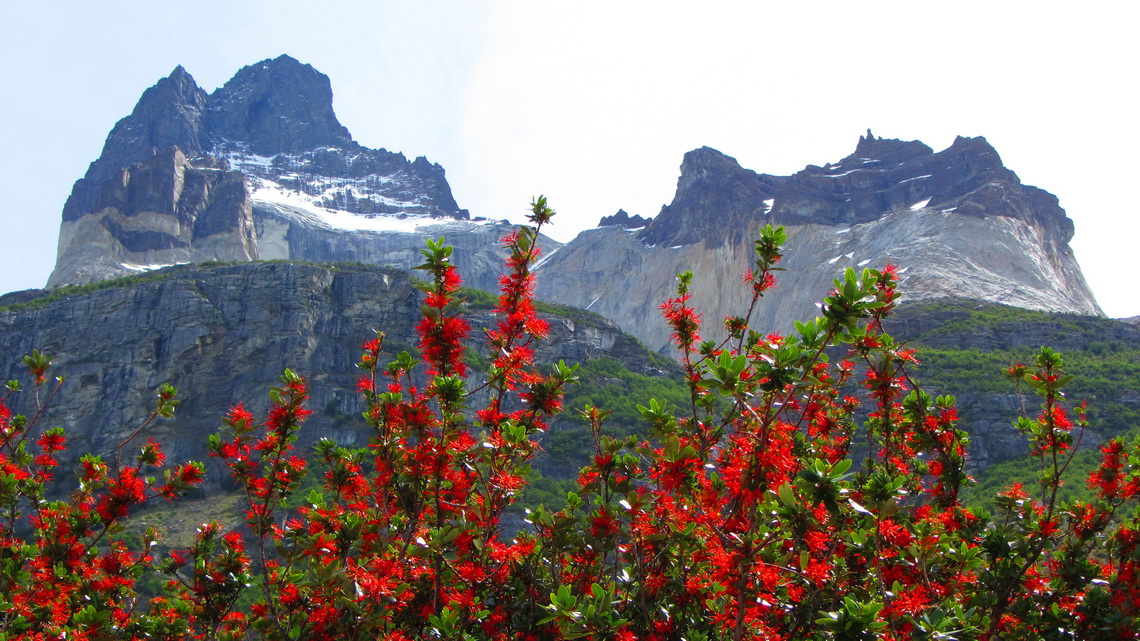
{"points": [[223, 335]]}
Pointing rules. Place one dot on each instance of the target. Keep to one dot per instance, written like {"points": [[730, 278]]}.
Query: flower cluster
{"points": [[64, 572]]}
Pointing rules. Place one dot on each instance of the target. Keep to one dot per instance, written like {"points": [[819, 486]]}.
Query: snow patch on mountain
{"points": [[304, 209]]}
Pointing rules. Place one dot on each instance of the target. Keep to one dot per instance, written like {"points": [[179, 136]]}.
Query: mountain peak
{"points": [[260, 168], [169, 114], [176, 96], [977, 147], [286, 59], [624, 220], [957, 222], [707, 154], [278, 105], [889, 149], [702, 162], [716, 198]]}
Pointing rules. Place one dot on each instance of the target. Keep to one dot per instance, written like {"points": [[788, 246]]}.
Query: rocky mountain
{"points": [[956, 222], [222, 334], [258, 169], [262, 169]]}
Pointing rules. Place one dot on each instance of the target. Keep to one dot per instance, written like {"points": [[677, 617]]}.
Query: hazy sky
{"points": [[595, 103]]}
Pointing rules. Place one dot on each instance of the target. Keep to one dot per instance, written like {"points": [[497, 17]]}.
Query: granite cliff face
{"points": [[957, 223], [159, 211], [223, 334], [260, 168]]}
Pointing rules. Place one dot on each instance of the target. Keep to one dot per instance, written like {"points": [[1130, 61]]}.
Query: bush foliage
{"points": [[783, 494]]}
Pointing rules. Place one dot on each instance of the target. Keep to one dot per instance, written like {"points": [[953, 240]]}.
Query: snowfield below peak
{"points": [[305, 210]]}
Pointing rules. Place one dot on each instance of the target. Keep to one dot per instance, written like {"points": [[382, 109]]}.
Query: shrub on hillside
{"points": [[768, 504]]}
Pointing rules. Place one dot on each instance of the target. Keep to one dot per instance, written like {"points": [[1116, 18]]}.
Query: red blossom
{"points": [[51, 441]]}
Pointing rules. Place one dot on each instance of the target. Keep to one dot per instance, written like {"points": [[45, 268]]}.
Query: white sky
{"points": [[595, 103]]}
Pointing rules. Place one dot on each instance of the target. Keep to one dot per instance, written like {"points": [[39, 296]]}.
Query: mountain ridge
{"points": [[860, 188], [262, 169], [957, 222]]}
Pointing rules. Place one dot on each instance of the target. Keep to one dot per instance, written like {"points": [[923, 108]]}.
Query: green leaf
{"points": [[787, 495]]}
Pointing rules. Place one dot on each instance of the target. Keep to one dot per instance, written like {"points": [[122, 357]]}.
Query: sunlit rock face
{"points": [[258, 169], [955, 223]]}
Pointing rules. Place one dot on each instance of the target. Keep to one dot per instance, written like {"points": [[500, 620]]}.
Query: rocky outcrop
{"points": [[624, 220], [169, 114], [956, 223], [715, 196], [717, 201], [275, 107], [886, 175], [260, 168], [223, 334], [160, 211]]}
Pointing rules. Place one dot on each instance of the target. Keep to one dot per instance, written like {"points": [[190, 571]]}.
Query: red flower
{"points": [[238, 415], [51, 440], [684, 321]]}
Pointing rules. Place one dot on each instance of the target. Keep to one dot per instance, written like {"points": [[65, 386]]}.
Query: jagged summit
{"points": [[624, 220], [717, 199], [888, 149], [276, 106], [167, 115], [958, 221], [260, 168]]}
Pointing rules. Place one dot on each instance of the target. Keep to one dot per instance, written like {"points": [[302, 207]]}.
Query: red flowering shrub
{"points": [[61, 573], [806, 490]]}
